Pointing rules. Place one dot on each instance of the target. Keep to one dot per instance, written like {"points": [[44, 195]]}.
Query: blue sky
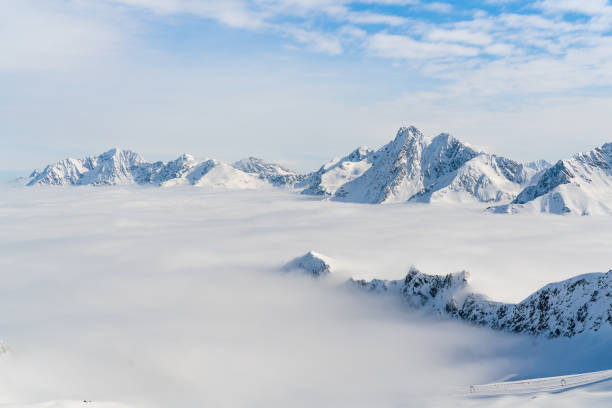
{"points": [[300, 81]]}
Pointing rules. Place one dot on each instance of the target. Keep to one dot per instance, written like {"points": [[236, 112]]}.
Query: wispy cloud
{"points": [[398, 46], [35, 36]]}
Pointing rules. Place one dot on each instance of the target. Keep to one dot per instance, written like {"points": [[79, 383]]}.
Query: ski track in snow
{"points": [[538, 385]]}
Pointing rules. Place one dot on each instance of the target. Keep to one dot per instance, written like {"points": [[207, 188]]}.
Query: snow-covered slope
{"points": [[338, 172], [578, 305], [538, 165], [213, 173], [172, 172], [414, 167], [271, 172], [580, 185], [486, 178]]}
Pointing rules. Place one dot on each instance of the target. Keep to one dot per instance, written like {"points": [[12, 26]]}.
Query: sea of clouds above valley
{"points": [[174, 297]]}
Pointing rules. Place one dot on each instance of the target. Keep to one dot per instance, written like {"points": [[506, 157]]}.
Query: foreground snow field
{"points": [[176, 297]]}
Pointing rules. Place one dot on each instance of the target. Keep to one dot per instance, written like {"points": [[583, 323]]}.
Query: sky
{"points": [[300, 81]]}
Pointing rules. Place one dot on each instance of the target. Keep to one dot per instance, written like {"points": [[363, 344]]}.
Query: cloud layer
{"points": [[174, 297]]}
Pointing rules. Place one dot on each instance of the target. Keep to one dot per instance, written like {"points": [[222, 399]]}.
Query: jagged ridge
{"points": [[567, 308], [414, 167], [118, 166], [580, 185]]}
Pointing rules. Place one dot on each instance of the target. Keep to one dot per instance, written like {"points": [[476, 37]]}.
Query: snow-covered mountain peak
{"points": [[111, 167], [579, 185], [356, 155], [273, 173], [254, 164], [538, 165], [444, 155], [311, 263], [411, 167], [118, 166], [406, 134], [119, 152], [336, 173], [416, 167], [186, 158]]}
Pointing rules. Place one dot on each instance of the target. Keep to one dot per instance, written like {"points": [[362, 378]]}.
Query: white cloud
{"points": [[500, 49], [397, 46], [589, 7], [35, 37], [460, 36], [437, 7], [173, 298], [316, 41], [374, 18], [352, 31]]}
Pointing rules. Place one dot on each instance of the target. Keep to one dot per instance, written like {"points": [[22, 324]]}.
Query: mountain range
{"points": [[577, 305], [582, 304], [412, 167]]}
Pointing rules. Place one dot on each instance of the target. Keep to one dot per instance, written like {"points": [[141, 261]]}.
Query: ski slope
{"points": [[539, 385]]}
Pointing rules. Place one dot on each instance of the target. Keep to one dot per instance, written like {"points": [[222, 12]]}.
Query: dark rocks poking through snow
{"points": [[581, 304]]}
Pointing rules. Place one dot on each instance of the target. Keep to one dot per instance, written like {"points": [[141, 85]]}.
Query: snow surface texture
{"points": [[158, 297], [412, 167], [582, 304]]}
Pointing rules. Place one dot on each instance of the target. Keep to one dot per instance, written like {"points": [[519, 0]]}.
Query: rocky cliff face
{"points": [[582, 304], [579, 305]]}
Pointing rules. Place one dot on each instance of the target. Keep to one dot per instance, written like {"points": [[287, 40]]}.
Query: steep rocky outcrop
{"points": [[582, 304]]}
